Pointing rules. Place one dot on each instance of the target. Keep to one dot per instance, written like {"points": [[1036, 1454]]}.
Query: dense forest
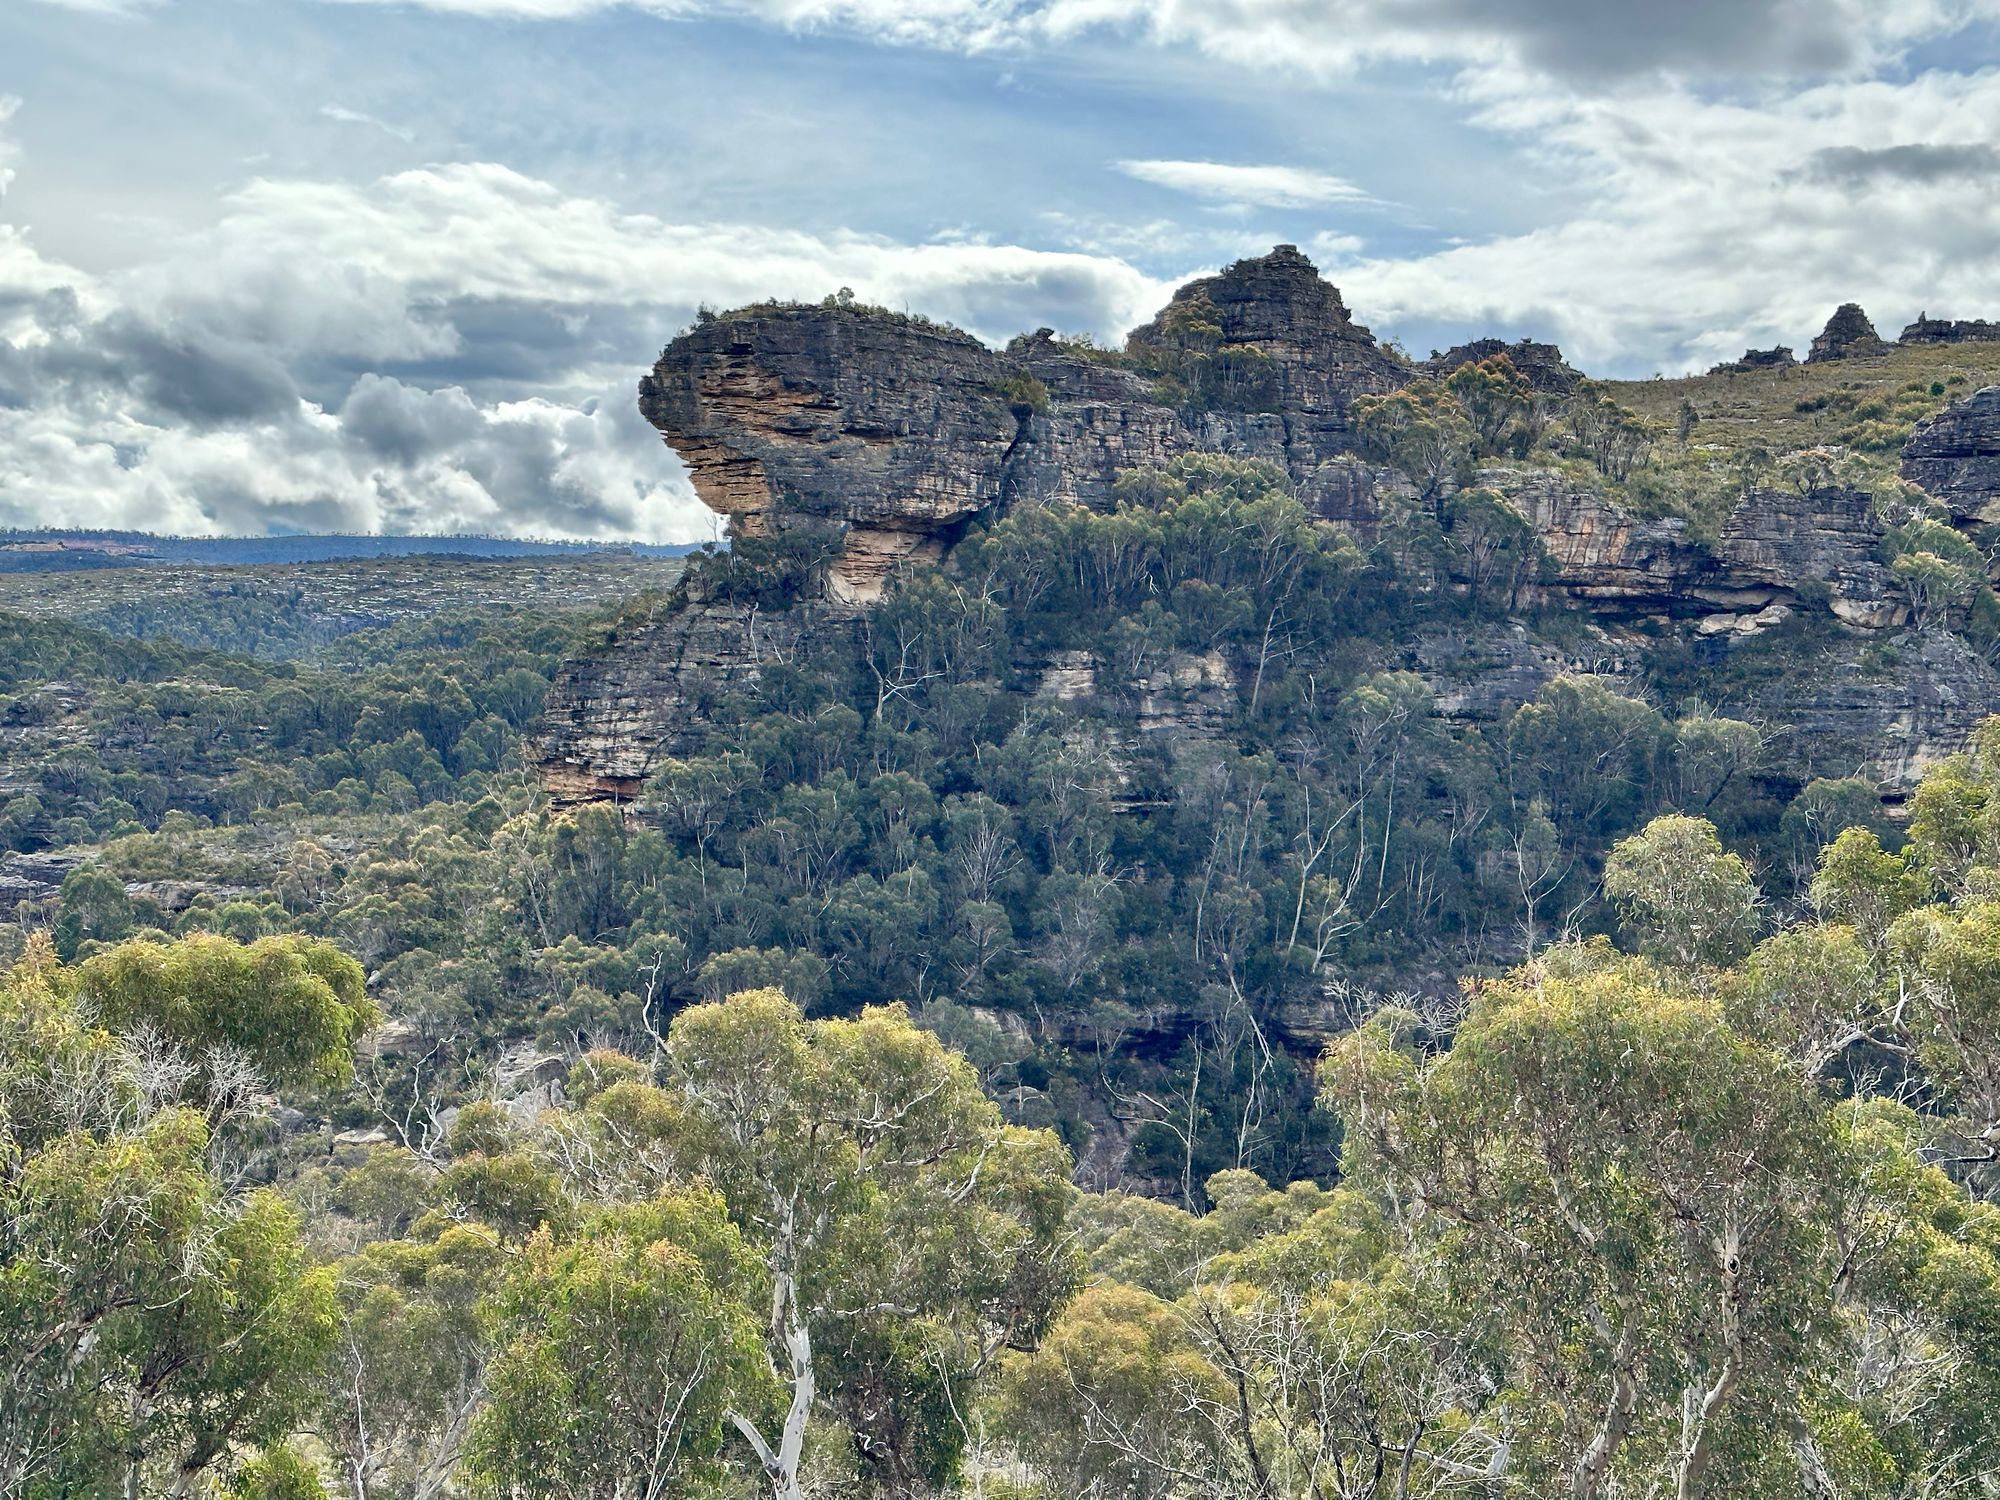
{"points": [[1092, 1024]]}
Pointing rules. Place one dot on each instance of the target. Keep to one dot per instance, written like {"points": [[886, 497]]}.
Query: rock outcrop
{"points": [[1929, 330], [1483, 675], [892, 429], [1541, 365], [887, 436], [1955, 457], [1891, 707], [897, 431], [1278, 310], [1848, 335], [892, 433], [1778, 357], [1774, 544], [660, 686]]}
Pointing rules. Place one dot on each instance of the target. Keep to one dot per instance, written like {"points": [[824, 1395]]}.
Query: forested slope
{"points": [[1303, 926]]}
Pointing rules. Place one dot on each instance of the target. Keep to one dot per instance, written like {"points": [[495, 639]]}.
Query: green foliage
{"points": [[154, 1314], [1026, 394], [1615, 438], [1588, 1152], [1711, 1220], [277, 1474], [1196, 368], [907, 1231], [773, 572], [619, 1351], [1686, 901], [1424, 431], [293, 1007]]}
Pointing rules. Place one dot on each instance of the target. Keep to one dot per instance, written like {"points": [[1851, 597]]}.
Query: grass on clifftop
{"points": [[1869, 404], [1746, 421]]}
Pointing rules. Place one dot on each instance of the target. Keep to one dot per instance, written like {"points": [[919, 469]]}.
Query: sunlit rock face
{"points": [[897, 431]]}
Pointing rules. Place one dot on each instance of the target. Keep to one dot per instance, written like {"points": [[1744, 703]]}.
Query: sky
{"points": [[397, 265]]}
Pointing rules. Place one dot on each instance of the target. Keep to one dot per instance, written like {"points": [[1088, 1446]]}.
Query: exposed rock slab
{"points": [[1955, 456], [1482, 675], [653, 690], [1884, 707], [1279, 306], [887, 426], [1775, 543]]}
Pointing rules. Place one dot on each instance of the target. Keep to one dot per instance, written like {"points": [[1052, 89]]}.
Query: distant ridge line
{"points": [[41, 549]]}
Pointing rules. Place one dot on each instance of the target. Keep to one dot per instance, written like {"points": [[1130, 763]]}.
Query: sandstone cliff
{"points": [[897, 431], [887, 436], [1956, 457], [660, 686]]}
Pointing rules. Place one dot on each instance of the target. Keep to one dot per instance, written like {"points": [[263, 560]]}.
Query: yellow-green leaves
{"points": [[1686, 901], [620, 1348], [294, 1006]]}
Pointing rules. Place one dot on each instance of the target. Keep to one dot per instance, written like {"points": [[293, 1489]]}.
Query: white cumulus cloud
{"points": [[1712, 225], [452, 348]]}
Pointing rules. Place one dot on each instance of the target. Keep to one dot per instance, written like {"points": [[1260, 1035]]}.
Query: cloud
{"points": [[9, 106], [451, 348], [1700, 236], [1857, 166], [1329, 248], [417, 256], [1250, 186], [103, 7], [341, 115], [1591, 42]]}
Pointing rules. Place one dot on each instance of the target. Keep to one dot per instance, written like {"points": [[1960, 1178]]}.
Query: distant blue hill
{"points": [[45, 551]]}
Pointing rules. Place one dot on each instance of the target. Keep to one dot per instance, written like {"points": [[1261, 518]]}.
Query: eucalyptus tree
{"points": [[907, 1233], [157, 1320]]}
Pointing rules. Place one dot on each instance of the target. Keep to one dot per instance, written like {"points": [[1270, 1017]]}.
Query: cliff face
{"points": [[1775, 543], [661, 686], [891, 430], [897, 432], [889, 435], [1955, 456]]}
